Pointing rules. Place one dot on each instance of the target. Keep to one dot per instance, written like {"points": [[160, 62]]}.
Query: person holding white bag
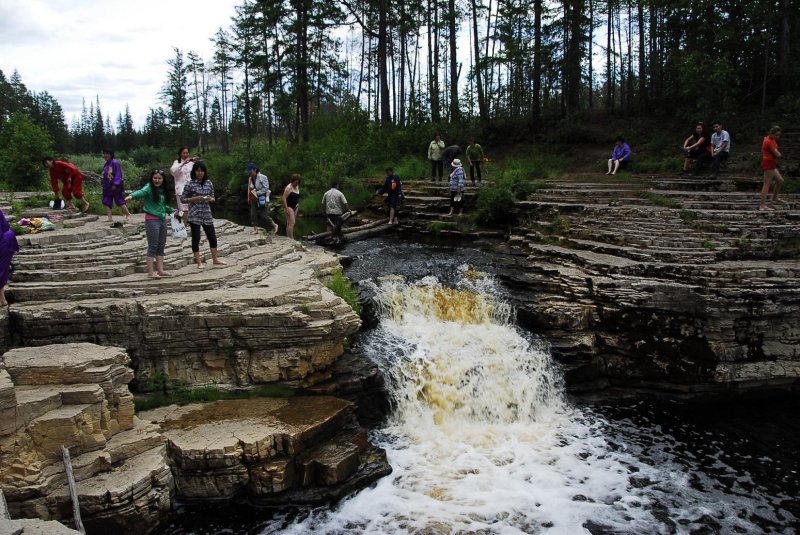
{"points": [[156, 209], [258, 198]]}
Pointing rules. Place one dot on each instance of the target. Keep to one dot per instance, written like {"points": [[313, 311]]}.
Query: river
{"points": [[483, 439]]}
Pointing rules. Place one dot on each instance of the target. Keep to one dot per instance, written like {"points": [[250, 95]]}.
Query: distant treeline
{"points": [[462, 62]]}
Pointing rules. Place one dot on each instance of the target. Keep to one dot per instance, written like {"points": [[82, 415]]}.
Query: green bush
{"points": [[22, 147], [341, 286]]}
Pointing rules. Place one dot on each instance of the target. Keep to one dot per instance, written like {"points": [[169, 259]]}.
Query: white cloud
{"points": [[114, 49]]}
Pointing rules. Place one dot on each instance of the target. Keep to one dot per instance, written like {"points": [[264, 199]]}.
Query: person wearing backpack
{"points": [[258, 198], [394, 188]]}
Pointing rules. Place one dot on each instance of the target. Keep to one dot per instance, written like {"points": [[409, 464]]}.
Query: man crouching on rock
{"points": [[72, 179]]}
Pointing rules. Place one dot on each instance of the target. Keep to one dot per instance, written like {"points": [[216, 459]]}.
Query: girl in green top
{"points": [[154, 194]]}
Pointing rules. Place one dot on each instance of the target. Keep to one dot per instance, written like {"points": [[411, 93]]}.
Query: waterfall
{"points": [[482, 439]]}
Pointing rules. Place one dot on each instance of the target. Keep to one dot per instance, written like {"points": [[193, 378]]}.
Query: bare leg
{"points": [[160, 267], [198, 261], [215, 258], [150, 271], [126, 212], [290, 219], [765, 188], [3, 301], [778, 186], [84, 204], [616, 167], [610, 163], [392, 218]]}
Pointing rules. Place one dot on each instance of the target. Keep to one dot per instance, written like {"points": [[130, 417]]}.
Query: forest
{"points": [[338, 89]]}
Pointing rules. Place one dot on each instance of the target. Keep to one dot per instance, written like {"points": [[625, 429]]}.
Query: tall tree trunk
{"points": [[403, 36], [784, 45], [609, 54], [433, 61], [622, 78], [590, 54], [482, 112], [642, 58], [383, 78], [455, 112], [301, 69], [574, 47], [537, 59]]}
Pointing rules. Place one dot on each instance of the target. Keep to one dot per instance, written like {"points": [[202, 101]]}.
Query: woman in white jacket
{"points": [[182, 174]]}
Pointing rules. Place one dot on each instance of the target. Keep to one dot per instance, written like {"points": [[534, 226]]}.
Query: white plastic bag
{"points": [[178, 229]]}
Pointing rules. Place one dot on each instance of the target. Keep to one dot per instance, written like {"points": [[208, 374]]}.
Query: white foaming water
{"points": [[481, 439]]}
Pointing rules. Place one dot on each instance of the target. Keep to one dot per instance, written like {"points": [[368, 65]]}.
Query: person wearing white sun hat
{"points": [[458, 184]]}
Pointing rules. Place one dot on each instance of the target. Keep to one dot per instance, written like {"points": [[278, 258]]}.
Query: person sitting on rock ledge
{"points": [[697, 144], [620, 157], [720, 150]]}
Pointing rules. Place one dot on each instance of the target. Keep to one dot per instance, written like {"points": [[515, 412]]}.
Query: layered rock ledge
{"points": [[83, 309], [263, 317], [659, 283]]}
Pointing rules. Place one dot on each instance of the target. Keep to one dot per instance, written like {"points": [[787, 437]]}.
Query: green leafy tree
{"points": [[22, 146]]}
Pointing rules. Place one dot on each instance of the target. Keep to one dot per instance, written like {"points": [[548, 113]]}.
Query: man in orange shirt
{"points": [[72, 179]]}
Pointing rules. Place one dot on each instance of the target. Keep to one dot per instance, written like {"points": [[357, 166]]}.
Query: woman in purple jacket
{"points": [[8, 248], [620, 156]]}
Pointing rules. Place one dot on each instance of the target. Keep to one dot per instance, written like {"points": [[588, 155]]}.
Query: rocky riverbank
{"points": [[663, 284], [85, 322]]}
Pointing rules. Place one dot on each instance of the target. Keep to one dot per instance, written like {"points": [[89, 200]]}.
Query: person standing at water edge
{"points": [[72, 179], [335, 205], [291, 203], [769, 163], [458, 184], [435, 150], [113, 185], [475, 158], [182, 174], [8, 248], [199, 194], [258, 198], [154, 194], [394, 188]]}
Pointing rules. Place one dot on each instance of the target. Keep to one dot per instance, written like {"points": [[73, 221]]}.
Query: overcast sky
{"points": [[114, 49]]}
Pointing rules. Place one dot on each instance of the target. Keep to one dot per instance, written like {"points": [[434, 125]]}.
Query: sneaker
{"points": [[766, 208]]}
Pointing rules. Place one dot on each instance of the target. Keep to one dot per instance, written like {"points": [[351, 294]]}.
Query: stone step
{"points": [[75, 425], [113, 502], [35, 401]]}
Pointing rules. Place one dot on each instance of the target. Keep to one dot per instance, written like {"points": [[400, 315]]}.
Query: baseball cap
{"points": [[249, 167]]}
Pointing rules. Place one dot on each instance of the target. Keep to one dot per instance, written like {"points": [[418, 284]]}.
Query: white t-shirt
{"points": [[334, 202], [718, 139]]}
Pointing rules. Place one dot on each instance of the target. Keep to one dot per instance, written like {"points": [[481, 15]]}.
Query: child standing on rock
{"points": [[154, 194]]}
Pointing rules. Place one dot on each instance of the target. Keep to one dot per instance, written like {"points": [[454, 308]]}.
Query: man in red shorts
{"points": [[72, 179]]}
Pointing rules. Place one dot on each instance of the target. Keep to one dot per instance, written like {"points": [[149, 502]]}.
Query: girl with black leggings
{"points": [[199, 194]]}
